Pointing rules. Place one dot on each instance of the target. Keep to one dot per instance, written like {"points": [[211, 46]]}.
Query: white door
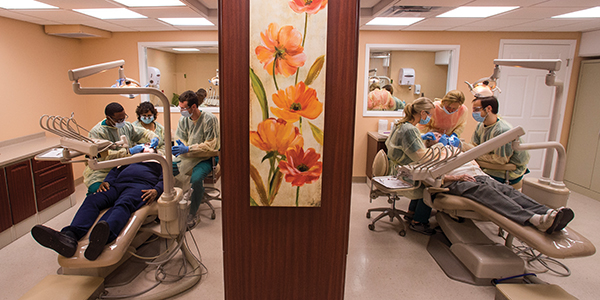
{"points": [[525, 99]]}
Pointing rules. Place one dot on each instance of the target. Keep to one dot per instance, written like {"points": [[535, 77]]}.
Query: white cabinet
{"points": [[583, 151]]}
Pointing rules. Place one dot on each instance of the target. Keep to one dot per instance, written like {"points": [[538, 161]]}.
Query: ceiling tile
{"points": [[166, 12], [60, 16], [433, 2], [571, 3], [71, 4], [521, 3], [533, 13]]}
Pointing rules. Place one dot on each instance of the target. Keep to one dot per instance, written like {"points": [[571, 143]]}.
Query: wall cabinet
{"points": [[583, 151]]}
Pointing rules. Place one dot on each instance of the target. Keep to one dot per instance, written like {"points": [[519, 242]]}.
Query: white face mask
{"points": [[185, 113], [120, 125]]}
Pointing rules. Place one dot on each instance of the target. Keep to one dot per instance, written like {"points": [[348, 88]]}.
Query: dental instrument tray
{"points": [[391, 182]]}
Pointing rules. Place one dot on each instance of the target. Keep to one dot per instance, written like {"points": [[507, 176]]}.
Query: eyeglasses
{"points": [[185, 108], [477, 108], [121, 120]]}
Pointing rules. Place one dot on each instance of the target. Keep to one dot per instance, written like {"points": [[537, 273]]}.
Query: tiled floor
{"points": [[381, 264]]}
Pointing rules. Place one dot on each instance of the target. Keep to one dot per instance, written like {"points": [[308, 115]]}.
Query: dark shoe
{"points": [[563, 217], [98, 239], [55, 240], [421, 228], [409, 216]]}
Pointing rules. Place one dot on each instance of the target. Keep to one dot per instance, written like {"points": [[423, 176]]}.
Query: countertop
{"points": [[21, 148]]}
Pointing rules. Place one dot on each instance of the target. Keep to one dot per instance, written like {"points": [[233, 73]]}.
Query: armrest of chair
{"points": [[505, 167]]}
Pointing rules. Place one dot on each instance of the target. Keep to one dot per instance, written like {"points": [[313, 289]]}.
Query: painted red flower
{"points": [[282, 46], [301, 167], [308, 6]]}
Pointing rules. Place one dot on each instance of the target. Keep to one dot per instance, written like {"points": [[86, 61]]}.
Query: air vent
{"points": [[409, 11]]}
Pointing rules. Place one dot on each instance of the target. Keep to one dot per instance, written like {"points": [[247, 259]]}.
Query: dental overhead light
{"points": [[551, 65]]}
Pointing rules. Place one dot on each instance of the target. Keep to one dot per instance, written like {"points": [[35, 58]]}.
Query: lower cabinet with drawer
{"points": [[53, 182]]}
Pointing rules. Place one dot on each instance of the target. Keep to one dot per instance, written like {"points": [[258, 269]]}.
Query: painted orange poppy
{"points": [[308, 6], [301, 167], [295, 102], [276, 135], [282, 46]]}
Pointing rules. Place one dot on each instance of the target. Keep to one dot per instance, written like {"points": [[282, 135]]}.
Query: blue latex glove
{"points": [[180, 148], [154, 142], [136, 149], [454, 140], [428, 136], [444, 140]]}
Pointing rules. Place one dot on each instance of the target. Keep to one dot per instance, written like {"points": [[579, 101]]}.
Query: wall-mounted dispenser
{"points": [[406, 76]]}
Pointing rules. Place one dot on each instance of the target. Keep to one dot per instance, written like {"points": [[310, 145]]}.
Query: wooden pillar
{"points": [[282, 252]]}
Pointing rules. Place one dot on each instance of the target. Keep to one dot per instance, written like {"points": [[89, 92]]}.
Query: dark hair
{"points": [[145, 107], [113, 108], [489, 101], [190, 97], [201, 93], [389, 88]]}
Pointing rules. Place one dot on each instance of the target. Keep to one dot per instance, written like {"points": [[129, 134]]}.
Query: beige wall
{"points": [[477, 52], [430, 76], [194, 71], [166, 63], [34, 78]]}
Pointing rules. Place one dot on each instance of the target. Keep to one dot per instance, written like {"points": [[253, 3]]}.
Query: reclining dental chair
{"points": [[462, 250], [379, 188]]}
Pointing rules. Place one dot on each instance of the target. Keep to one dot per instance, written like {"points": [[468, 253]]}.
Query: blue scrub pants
{"points": [[121, 200], [200, 171], [422, 211]]}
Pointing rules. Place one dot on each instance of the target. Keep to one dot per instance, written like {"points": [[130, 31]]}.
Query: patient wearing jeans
{"points": [[471, 182], [124, 190]]}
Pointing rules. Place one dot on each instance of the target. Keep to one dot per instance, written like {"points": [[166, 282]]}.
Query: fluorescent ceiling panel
{"points": [[186, 49], [394, 21], [24, 4], [476, 11], [187, 21], [593, 12], [110, 13], [149, 3]]}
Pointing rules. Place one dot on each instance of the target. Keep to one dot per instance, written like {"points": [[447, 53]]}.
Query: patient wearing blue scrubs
{"points": [[124, 190]]}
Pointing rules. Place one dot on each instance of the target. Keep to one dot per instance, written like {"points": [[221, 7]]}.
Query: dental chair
{"points": [[462, 250], [506, 168], [380, 188]]}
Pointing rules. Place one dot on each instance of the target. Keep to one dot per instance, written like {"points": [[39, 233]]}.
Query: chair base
{"points": [[391, 212]]}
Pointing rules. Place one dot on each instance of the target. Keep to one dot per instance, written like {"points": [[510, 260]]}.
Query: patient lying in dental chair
{"points": [[471, 182], [124, 190]]}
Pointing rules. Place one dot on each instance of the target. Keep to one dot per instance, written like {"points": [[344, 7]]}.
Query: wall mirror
{"points": [[180, 66], [412, 70]]}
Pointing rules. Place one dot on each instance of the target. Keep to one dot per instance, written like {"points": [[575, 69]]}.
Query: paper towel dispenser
{"points": [[406, 76]]}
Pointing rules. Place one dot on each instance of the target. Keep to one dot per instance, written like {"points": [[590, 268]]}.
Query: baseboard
{"points": [[359, 179]]}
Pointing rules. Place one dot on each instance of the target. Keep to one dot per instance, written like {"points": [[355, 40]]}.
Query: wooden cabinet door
{"points": [[53, 182], [5, 215], [20, 191]]}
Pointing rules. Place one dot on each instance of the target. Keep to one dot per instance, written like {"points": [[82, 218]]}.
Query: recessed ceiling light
{"points": [[593, 12], [147, 3], [111, 13], [476, 11], [394, 21], [186, 49], [24, 4], [187, 21]]}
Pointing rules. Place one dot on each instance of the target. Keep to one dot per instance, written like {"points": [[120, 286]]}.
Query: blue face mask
{"points": [[147, 120], [477, 116], [448, 111], [423, 122], [185, 113]]}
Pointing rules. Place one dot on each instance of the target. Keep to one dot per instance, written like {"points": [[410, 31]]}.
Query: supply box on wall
{"points": [[406, 76]]}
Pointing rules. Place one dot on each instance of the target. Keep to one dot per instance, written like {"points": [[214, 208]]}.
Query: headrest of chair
{"points": [[380, 164]]}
